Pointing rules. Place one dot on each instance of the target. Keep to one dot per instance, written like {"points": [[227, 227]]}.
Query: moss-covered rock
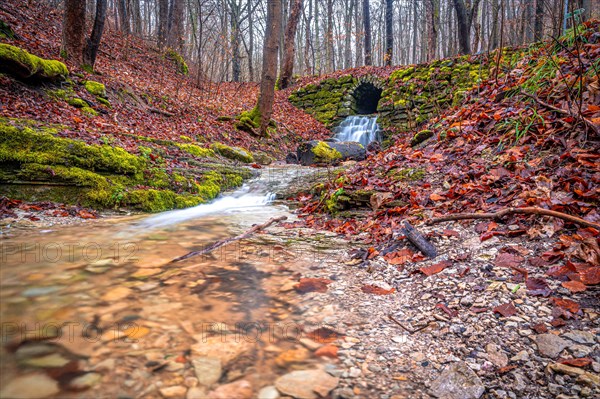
{"points": [[174, 56], [95, 88], [195, 150], [100, 176], [77, 102], [324, 153], [21, 64], [234, 153], [420, 137]]}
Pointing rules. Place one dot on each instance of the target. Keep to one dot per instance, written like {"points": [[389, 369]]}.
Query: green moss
{"points": [[178, 60], [95, 88], [89, 111], [23, 65], [420, 137], [411, 174], [324, 153], [235, 153], [6, 31], [77, 102], [195, 150], [103, 101]]}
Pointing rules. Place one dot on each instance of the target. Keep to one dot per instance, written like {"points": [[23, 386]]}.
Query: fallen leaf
{"points": [[566, 304], [506, 310], [537, 287], [447, 310], [436, 268], [579, 362], [327, 351], [324, 335], [505, 259], [574, 286], [373, 289], [306, 285]]}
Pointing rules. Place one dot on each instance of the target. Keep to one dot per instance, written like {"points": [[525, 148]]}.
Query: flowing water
{"points": [[100, 305], [360, 128]]}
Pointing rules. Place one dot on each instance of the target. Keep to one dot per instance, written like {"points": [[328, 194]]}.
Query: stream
{"points": [[96, 310]]}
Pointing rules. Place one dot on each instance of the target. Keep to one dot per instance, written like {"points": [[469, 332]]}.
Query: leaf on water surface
{"points": [[506, 310], [306, 285]]}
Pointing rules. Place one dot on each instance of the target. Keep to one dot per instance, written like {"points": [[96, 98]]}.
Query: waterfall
{"points": [[360, 128]]}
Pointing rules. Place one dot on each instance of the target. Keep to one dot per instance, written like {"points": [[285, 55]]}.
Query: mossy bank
{"points": [[37, 165]]}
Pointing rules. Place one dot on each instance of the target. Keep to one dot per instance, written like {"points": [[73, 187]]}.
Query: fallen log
{"points": [[418, 240], [226, 241], [508, 211]]}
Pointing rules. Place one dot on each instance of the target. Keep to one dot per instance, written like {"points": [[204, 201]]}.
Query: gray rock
{"points": [[496, 355], [347, 150], [31, 386], [580, 350], [208, 370], [306, 384], [269, 392], [457, 381], [581, 337], [550, 345]]}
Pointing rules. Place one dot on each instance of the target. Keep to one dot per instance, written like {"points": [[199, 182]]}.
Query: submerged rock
{"points": [[306, 384], [31, 386]]}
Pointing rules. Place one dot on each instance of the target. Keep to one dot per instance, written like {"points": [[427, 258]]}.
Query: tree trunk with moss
{"points": [[175, 36], [91, 48], [269, 70], [287, 67], [73, 31]]}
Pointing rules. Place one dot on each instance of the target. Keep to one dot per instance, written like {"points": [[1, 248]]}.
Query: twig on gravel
{"points": [[226, 241], [418, 240], [508, 211], [409, 330]]}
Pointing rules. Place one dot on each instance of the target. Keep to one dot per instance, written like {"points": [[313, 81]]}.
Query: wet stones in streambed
{"points": [[34, 385], [306, 384], [457, 381]]}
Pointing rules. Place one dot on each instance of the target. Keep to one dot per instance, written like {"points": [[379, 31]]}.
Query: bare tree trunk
{"points": [[175, 36], [329, 38], [73, 31], [234, 14], [307, 38], [539, 20], [528, 24], [389, 31], [367, 28], [137, 17], [269, 69], [359, 34], [287, 67], [163, 22], [123, 17], [349, 7], [432, 26], [251, 42], [91, 48], [463, 27]]}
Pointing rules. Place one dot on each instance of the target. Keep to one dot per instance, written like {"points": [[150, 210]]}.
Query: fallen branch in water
{"points": [[508, 211], [226, 241]]}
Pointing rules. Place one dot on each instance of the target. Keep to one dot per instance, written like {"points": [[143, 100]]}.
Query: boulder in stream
{"points": [[314, 152]]}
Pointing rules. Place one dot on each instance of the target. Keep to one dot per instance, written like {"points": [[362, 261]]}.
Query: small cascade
{"points": [[360, 128]]}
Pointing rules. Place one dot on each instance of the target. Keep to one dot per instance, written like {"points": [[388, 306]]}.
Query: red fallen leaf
{"points": [[373, 289], [436, 268], [399, 257], [464, 271], [324, 335], [561, 272], [449, 312], [312, 285], [327, 351], [537, 287], [506, 369], [372, 253], [565, 304], [540, 328], [520, 270], [590, 276], [537, 262], [77, 119], [579, 362], [436, 197], [451, 233], [558, 323], [506, 310], [256, 166], [574, 286], [475, 309], [505, 259], [85, 214], [553, 256], [33, 218], [181, 359]]}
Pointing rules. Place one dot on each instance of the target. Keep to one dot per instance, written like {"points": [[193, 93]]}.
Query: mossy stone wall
{"points": [[410, 96]]}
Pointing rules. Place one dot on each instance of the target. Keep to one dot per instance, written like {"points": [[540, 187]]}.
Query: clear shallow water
{"points": [[360, 128], [106, 291]]}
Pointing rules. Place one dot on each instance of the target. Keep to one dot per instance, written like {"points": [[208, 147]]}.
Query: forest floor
{"points": [[509, 308]]}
